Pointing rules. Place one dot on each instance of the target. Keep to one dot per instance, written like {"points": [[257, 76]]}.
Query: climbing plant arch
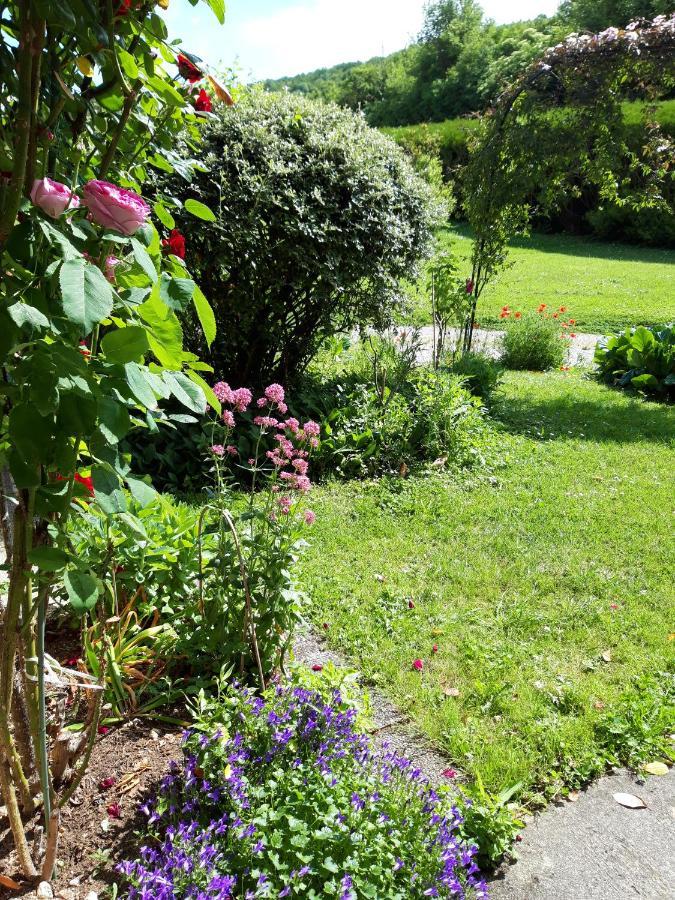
{"points": [[560, 129]]}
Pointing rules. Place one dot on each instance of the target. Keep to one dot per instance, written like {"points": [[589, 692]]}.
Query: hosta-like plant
{"points": [[641, 358], [90, 338]]}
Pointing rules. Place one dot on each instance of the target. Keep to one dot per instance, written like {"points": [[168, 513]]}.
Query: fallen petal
{"points": [[630, 801]]}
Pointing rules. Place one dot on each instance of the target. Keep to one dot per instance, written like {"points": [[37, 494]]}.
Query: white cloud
{"points": [[318, 34]]}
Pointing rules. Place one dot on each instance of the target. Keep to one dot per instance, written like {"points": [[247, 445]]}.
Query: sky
{"points": [[272, 38]]}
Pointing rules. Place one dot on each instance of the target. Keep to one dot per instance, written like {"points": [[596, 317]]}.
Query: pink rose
{"points": [[114, 207], [53, 197], [111, 263]]}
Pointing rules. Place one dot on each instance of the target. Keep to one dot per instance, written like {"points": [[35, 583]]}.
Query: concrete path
{"points": [[596, 849], [487, 341]]}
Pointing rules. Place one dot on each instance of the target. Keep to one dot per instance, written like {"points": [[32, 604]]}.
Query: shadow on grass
{"points": [[585, 246], [593, 420]]}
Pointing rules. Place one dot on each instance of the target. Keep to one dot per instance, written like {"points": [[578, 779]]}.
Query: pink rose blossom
{"points": [[111, 263], [418, 665], [114, 207], [310, 517], [275, 393], [52, 197], [228, 418], [223, 392], [218, 450]]}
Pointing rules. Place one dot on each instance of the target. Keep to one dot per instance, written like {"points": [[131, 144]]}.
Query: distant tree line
{"points": [[460, 61]]}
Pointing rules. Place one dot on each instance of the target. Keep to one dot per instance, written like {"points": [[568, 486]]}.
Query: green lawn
{"points": [[546, 586], [604, 286]]}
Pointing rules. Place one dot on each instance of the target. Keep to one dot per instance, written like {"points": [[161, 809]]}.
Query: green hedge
{"points": [[449, 141]]}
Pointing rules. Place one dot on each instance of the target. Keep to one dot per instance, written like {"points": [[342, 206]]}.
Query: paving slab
{"points": [[596, 849]]}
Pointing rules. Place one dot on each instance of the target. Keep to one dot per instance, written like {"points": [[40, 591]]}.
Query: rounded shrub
{"points": [[319, 218], [533, 341], [480, 374]]}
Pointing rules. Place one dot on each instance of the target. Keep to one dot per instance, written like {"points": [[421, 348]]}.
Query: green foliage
{"points": [[638, 730], [533, 342], [321, 219], [642, 359], [380, 413], [594, 15], [490, 822], [480, 374]]}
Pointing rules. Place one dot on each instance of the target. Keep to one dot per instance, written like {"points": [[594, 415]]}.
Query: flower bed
{"points": [[281, 796]]}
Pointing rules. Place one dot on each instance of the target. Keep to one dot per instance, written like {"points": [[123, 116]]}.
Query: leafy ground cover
{"points": [[532, 598], [605, 287]]}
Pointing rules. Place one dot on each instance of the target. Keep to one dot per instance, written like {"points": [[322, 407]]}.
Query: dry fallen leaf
{"points": [[656, 768], [221, 92], [598, 704], [630, 801], [607, 656], [436, 632], [451, 691], [573, 796], [7, 882]]}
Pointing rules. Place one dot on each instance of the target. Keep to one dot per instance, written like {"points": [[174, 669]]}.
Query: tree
{"points": [[89, 340], [594, 15], [320, 217]]}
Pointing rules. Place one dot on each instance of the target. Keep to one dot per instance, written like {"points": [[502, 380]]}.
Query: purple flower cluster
{"points": [[207, 840]]}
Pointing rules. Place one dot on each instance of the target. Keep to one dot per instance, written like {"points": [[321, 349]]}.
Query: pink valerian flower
{"points": [[314, 442], [218, 450], [291, 425], [261, 401], [310, 517], [275, 393], [275, 459], [265, 421], [285, 504], [302, 483], [417, 665], [285, 446], [228, 418], [283, 409], [300, 466], [241, 399], [223, 392], [231, 450], [311, 428]]}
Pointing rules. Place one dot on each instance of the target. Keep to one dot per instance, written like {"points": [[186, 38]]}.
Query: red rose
{"points": [[87, 481], [188, 69], [203, 102], [175, 243]]}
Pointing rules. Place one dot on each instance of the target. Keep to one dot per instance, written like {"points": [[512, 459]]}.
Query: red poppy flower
{"points": [[326, 626], [573, 334], [203, 102], [188, 69], [175, 243], [87, 481], [555, 315], [411, 604], [504, 315], [518, 315], [563, 309], [434, 649], [572, 322], [84, 350]]}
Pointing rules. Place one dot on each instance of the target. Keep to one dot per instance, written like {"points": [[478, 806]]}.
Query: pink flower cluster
{"points": [[219, 450], [239, 399]]}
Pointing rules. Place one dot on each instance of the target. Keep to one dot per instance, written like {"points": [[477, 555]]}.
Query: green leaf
{"points": [[143, 493], [82, 589], [199, 210], [125, 344], [186, 391], [114, 421], [134, 524], [31, 433], [108, 490], [211, 398], [127, 64], [218, 7], [77, 413], [142, 257], [205, 314], [24, 315], [49, 559], [87, 296], [164, 215], [166, 334], [140, 385], [176, 293]]}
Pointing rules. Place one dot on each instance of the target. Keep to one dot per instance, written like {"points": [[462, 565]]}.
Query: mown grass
{"points": [[547, 587], [605, 287]]}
